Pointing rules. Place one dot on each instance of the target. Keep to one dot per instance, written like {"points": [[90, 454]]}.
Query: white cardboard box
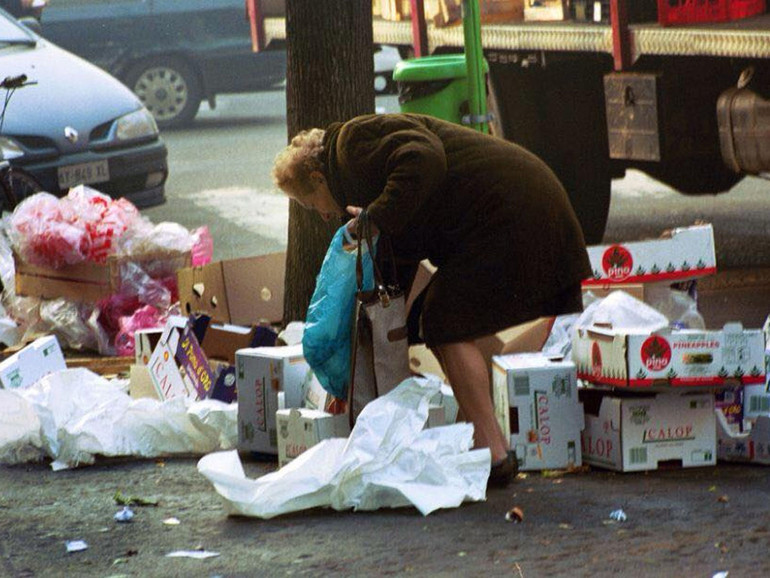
{"points": [[145, 341], [687, 254], [29, 365], [751, 446], [261, 374], [687, 357], [536, 402], [178, 367], [302, 428], [635, 433], [756, 401]]}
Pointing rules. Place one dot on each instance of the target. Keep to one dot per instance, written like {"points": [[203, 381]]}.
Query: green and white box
{"points": [[35, 361], [302, 428], [536, 404]]}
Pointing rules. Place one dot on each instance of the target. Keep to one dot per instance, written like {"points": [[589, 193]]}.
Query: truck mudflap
{"points": [[744, 130]]}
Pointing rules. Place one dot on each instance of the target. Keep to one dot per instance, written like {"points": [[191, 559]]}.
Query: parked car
{"points": [[176, 53], [171, 53], [75, 124]]}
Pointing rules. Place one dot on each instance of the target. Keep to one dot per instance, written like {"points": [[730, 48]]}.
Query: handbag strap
{"points": [[364, 234]]}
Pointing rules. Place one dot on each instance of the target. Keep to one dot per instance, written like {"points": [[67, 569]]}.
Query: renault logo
{"points": [[71, 134]]}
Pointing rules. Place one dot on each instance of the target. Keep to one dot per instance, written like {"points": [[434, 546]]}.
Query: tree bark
{"points": [[329, 77]]}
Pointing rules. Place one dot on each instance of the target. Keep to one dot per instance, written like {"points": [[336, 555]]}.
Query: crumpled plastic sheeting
{"points": [[389, 461], [74, 415], [622, 311]]}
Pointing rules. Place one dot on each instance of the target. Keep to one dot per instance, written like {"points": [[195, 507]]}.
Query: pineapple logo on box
{"points": [[656, 353], [617, 262]]}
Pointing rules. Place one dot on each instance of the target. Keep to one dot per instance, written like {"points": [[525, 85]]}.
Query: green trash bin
{"points": [[434, 85]]}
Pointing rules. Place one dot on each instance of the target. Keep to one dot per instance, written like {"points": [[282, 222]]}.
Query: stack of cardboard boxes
{"points": [[650, 395]]}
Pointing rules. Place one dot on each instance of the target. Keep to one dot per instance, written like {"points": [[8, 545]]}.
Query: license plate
{"points": [[84, 174]]}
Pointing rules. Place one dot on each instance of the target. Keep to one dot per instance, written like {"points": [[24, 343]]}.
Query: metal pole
{"points": [[474, 62]]}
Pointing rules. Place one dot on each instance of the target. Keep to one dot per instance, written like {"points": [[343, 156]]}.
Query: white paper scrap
{"points": [[197, 554]]}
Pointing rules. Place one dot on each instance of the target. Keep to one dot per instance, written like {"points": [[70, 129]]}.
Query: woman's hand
{"points": [[352, 224]]}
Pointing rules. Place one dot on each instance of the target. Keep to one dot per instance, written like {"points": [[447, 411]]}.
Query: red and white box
{"points": [[636, 433], [262, 373], [687, 254], [679, 358], [536, 404]]}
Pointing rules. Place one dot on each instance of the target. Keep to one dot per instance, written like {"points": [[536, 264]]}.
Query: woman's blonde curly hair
{"points": [[293, 165]]}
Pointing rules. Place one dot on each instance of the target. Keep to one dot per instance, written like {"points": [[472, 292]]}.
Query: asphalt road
{"points": [[220, 177]]}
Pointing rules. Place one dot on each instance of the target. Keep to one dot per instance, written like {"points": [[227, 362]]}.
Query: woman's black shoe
{"points": [[504, 472]]}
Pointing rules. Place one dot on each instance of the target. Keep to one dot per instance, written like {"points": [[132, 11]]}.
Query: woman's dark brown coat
{"points": [[490, 215]]}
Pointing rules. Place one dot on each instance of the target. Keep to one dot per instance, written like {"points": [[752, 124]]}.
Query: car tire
{"points": [[169, 88], [22, 184]]}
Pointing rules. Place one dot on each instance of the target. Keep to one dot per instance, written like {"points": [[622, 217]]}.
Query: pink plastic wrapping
{"points": [[203, 249], [146, 317]]}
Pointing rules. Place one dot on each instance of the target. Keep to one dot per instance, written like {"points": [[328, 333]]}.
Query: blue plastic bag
{"points": [[328, 326]]}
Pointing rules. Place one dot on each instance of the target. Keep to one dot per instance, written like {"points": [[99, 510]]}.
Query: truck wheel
{"points": [[168, 87]]}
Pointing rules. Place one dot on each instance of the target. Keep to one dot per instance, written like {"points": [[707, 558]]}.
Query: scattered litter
{"points": [[515, 515], [720, 574], [618, 516], [122, 500], [389, 461], [462, 554], [171, 521], [76, 546], [564, 526], [723, 499], [124, 515], [197, 554]]}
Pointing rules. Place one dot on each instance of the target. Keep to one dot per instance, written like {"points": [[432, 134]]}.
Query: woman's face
{"points": [[319, 200]]}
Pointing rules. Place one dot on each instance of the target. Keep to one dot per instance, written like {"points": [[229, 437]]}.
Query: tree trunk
{"points": [[329, 77]]}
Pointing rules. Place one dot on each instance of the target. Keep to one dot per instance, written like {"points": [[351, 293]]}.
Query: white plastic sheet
{"points": [[622, 311], [389, 461], [74, 415]]}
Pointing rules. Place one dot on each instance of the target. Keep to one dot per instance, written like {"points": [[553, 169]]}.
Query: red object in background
{"points": [[673, 12], [256, 23]]}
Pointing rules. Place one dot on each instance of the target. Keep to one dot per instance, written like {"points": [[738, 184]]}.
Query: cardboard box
{"points": [[729, 402], [27, 366], [301, 428], [244, 291], [679, 358], [756, 401], [261, 374], [751, 446], [145, 342], [90, 282], [639, 432], [445, 400], [525, 338], [178, 366], [687, 254], [544, 10], [140, 383], [536, 404], [445, 12]]}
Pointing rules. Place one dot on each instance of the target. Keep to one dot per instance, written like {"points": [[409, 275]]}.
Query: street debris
{"points": [[122, 500], [125, 515], [723, 499], [388, 461], [720, 574], [618, 515], [171, 522], [76, 546], [196, 554], [514, 515]]}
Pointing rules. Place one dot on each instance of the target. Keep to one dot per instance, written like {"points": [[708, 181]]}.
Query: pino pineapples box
{"points": [[637, 432], [687, 254], [639, 358]]}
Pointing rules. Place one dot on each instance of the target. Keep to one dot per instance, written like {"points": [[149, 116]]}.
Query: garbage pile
{"points": [[634, 382], [91, 270]]}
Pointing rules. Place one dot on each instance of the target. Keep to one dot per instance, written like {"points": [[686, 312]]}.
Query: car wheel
{"points": [[168, 87], [22, 185]]}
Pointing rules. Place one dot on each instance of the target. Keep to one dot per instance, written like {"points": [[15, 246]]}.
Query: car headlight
{"points": [[9, 150], [136, 125]]}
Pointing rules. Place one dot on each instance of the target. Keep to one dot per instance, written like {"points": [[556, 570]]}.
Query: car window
{"points": [[10, 31]]}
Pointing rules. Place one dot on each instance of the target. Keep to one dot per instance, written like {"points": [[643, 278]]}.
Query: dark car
{"points": [[76, 124], [171, 53]]}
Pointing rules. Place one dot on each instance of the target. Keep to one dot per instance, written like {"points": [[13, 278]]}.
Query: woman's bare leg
{"points": [[468, 374]]}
